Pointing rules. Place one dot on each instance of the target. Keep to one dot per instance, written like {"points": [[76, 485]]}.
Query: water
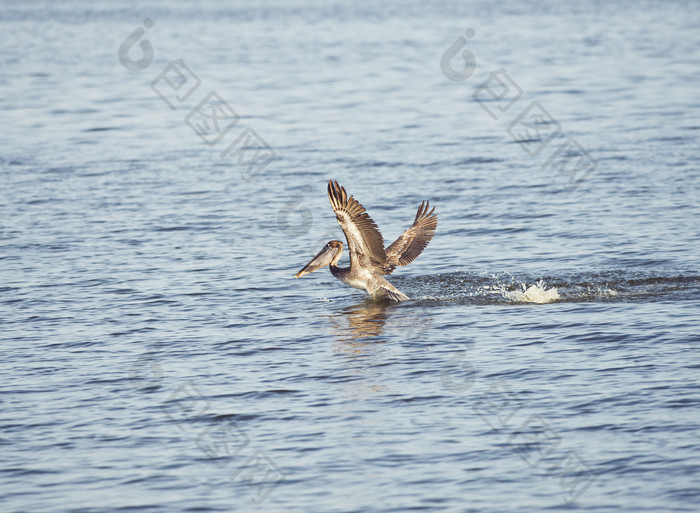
{"points": [[158, 354]]}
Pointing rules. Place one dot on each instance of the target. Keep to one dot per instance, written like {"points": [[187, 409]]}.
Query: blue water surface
{"points": [[158, 354]]}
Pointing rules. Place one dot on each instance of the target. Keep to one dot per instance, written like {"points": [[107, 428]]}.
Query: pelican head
{"points": [[329, 255]]}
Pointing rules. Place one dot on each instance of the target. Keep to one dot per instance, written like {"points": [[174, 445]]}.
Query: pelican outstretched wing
{"points": [[365, 242], [413, 241]]}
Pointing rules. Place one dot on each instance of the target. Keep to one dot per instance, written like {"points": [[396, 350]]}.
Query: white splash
{"points": [[537, 293]]}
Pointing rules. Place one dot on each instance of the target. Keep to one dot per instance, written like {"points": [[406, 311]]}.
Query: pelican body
{"points": [[369, 260]]}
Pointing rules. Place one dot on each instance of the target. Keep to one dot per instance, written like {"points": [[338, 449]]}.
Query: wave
{"points": [[506, 288]]}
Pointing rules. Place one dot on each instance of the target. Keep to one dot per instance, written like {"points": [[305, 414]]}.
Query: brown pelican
{"points": [[368, 258]]}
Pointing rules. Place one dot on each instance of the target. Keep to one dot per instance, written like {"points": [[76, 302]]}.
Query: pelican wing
{"points": [[365, 242], [413, 241]]}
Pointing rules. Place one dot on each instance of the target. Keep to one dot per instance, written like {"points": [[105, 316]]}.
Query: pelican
{"points": [[369, 261]]}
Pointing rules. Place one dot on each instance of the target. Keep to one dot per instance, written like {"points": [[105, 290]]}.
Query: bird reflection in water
{"points": [[361, 322], [370, 334], [372, 322]]}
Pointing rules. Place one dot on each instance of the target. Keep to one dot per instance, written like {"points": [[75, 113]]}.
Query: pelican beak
{"points": [[324, 257]]}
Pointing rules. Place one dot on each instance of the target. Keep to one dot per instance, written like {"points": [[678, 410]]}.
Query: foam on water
{"points": [[537, 293]]}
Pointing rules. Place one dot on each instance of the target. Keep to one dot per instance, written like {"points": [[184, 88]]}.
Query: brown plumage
{"points": [[413, 241], [368, 258], [365, 241]]}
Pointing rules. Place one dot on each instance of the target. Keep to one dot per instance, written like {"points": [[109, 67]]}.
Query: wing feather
{"points": [[365, 241], [413, 241]]}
